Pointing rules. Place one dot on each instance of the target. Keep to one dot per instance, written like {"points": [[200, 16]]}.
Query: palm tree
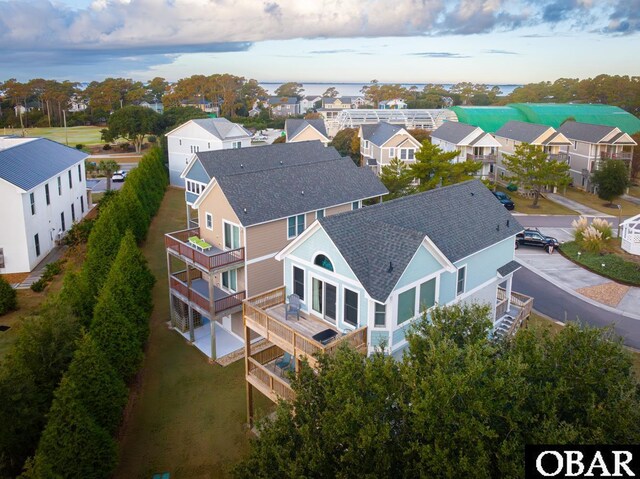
{"points": [[108, 168]]}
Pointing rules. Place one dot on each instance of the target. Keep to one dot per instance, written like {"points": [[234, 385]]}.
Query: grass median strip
{"points": [[609, 265]]}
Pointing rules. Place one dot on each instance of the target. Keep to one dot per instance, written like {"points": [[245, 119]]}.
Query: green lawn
{"points": [[614, 265], [187, 416], [635, 191], [86, 135], [592, 201], [545, 207]]}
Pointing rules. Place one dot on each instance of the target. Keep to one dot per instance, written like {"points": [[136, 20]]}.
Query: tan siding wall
{"points": [[398, 139], [309, 134], [217, 204], [338, 209], [267, 238], [264, 275]]}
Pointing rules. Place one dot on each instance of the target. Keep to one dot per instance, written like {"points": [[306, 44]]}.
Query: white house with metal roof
{"points": [[364, 277], [590, 145], [471, 143], [305, 130], [206, 134], [382, 142], [43, 191]]}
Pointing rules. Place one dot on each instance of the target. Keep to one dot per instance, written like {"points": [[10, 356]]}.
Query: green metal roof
{"points": [[492, 118], [553, 114], [489, 118]]}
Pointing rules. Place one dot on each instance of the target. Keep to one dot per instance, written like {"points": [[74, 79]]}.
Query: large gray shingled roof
{"points": [[243, 160], [586, 132], [31, 163], [379, 241], [294, 126], [453, 131], [283, 191], [221, 127], [521, 131], [379, 133]]}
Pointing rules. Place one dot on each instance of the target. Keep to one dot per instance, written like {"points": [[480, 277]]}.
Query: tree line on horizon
{"points": [[235, 96]]}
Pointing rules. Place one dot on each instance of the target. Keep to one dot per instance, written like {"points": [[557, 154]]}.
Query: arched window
{"points": [[322, 260]]}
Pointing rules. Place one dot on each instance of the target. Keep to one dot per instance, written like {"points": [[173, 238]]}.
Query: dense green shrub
{"points": [[8, 297], [79, 232], [38, 286], [52, 269], [79, 146], [107, 146], [615, 267]]}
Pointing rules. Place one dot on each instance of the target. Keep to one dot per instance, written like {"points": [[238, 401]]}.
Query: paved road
{"points": [[542, 221], [101, 186], [558, 304]]}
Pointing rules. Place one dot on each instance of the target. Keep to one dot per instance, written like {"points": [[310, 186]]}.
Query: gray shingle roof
{"points": [[281, 191], [379, 133], [521, 131], [243, 160], [509, 268], [283, 100], [294, 126], [586, 132], [453, 131], [615, 138], [29, 164], [459, 219], [221, 127]]}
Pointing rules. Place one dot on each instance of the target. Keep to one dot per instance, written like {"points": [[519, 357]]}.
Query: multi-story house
{"points": [[284, 106], [201, 135], [342, 103], [470, 142], [591, 145], [305, 130], [381, 142], [250, 204], [395, 104], [309, 103], [515, 133], [43, 191], [364, 277]]}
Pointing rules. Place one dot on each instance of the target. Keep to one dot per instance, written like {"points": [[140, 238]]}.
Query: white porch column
{"points": [[212, 310], [508, 291], [188, 216]]}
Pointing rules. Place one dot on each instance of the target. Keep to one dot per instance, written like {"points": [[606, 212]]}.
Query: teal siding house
{"points": [[383, 266]]}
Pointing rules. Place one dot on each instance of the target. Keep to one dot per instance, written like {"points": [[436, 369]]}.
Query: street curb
{"points": [[575, 293]]}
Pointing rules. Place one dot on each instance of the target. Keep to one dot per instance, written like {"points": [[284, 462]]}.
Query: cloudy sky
{"points": [[408, 41]]}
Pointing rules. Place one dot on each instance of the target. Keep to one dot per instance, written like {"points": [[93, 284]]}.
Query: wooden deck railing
{"points": [[221, 305], [178, 242], [287, 338], [484, 158], [267, 381], [521, 301]]}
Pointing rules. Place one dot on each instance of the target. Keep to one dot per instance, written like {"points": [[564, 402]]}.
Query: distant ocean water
{"points": [[353, 89]]}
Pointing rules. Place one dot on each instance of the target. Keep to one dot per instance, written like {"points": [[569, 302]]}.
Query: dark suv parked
{"points": [[504, 199], [533, 237]]}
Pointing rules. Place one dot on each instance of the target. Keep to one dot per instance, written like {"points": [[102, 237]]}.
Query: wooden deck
{"points": [[307, 325]]}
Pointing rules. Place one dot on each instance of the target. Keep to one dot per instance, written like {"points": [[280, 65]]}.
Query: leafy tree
{"points": [[331, 92], [29, 374], [420, 134], [611, 179], [289, 89], [344, 143], [434, 167], [312, 115], [459, 405], [8, 297], [531, 168], [635, 161], [396, 177], [133, 123], [177, 115], [73, 445], [108, 168], [280, 139]]}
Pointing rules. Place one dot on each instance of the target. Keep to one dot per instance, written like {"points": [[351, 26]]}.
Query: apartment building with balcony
{"points": [[364, 277], [591, 145], [514, 133], [471, 143], [252, 203]]}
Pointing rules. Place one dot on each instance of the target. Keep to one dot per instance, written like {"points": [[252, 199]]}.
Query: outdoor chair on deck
{"points": [[285, 363], [293, 306], [199, 243]]}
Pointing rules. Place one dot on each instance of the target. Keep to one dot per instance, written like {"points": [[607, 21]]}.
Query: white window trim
{"points": [[359, 205], [304, 225], [224, 288], [224, 235], [304, 281], [394, 326], [324, 213], [310, 292], [208, 220], [464, 286], [386, 317], [344, 305]]}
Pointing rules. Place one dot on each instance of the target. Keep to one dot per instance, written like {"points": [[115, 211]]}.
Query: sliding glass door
{"points": [[324, 297]]}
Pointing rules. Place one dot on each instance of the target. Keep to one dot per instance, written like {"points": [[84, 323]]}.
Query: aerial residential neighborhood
{"points": [[354, 240]]}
